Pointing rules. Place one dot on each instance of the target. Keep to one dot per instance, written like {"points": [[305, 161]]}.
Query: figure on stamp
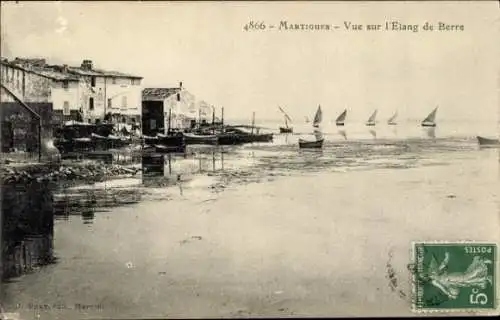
{"points": [[476, 275]]}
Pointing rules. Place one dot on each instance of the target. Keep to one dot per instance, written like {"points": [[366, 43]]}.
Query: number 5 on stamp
{"points": [[459, 276]]}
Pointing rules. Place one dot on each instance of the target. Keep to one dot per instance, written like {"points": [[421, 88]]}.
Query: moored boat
{"points": [[192, 138], [430, 120], [286, 128], [161, 148], [487, 141], [305, 144], [171, 140], [318, 143]]}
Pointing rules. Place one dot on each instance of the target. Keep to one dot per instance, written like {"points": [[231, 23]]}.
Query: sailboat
{"points": [[286, 128], [392, 120], [371, 121], [318, 143], [340, 119], [429, 121], [307, 120]]}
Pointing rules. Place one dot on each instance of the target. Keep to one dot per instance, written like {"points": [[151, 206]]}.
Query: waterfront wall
{"points": [[27, 224]]}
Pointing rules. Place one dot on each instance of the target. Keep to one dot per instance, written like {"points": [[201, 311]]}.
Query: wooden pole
{"points": [[213, 120], [253, 121], [169, 120], [222, 120]]}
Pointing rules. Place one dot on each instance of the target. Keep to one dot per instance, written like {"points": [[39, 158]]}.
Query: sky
{"points": [[205, 46]]}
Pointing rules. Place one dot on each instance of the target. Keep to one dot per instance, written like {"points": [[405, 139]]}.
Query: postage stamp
{"points": [[454, 276]]}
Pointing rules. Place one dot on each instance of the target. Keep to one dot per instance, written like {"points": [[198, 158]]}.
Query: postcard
{"points": [[239, 159]]}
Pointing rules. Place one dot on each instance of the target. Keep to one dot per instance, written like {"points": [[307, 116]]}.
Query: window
{"points": [[66, 84], [124, 120], [92, 82], [124, 101], [91, 103], [66, 111], [113, 80], [110, 105]]}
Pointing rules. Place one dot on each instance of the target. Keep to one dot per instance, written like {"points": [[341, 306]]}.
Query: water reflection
{"points": [[167, 169], [27, 228], [343, 133], [430, 132], [373, 132]]}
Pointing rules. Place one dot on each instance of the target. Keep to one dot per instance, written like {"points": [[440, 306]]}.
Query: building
{"points": [[27, 91], [110, 94], [158, 104]]}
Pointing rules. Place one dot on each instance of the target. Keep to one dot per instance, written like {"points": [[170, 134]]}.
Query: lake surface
{"points": [[266, 229]]}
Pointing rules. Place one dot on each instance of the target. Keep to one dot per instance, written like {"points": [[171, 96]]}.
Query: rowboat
{"points": [[305, 144], [430, 120], [161, 148], [487, 141], [318, 143]]}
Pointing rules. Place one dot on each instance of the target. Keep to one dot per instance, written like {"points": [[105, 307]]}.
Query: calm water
{"points": [[266, 229]]}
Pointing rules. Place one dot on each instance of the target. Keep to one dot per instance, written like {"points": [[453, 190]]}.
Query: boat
{"points": [[371, 121], [193, 138], [307, 120], [304, 144], [392, 120], [161, 148], [172, 140], [487, 141], [286, 128], [341, 119], [430, 120], [318, 117], [318, 143]]}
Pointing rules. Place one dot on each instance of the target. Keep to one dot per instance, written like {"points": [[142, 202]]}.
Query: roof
{"points": [[44, 72], [101, 73], [158, 93]]}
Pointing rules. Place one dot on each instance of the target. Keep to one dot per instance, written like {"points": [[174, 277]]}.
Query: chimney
{"points": [[180, 85], [86, 65], [65, 68]]}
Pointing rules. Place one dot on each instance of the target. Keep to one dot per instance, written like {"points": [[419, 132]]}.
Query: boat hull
{"points": [[487, 142], [265, 137], [303, 144], [392, 123], [286, 130], [339, 124], [369, 124], [200, 139]]}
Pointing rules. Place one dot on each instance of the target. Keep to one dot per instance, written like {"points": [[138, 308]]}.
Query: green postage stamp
{"points": [[454, 276]]}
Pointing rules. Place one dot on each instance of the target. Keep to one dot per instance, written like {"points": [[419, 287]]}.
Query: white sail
{"points": [[392, 120], [318, 117], [287, 117], [341, 118], [371, 120], [430, 120]]}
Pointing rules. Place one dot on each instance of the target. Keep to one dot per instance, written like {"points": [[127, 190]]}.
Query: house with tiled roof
{"points": [[29, 91], [109, 93], [179, 104]]}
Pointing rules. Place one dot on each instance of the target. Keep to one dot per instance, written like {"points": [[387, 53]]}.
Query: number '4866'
{"points": [[254, 26]]}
